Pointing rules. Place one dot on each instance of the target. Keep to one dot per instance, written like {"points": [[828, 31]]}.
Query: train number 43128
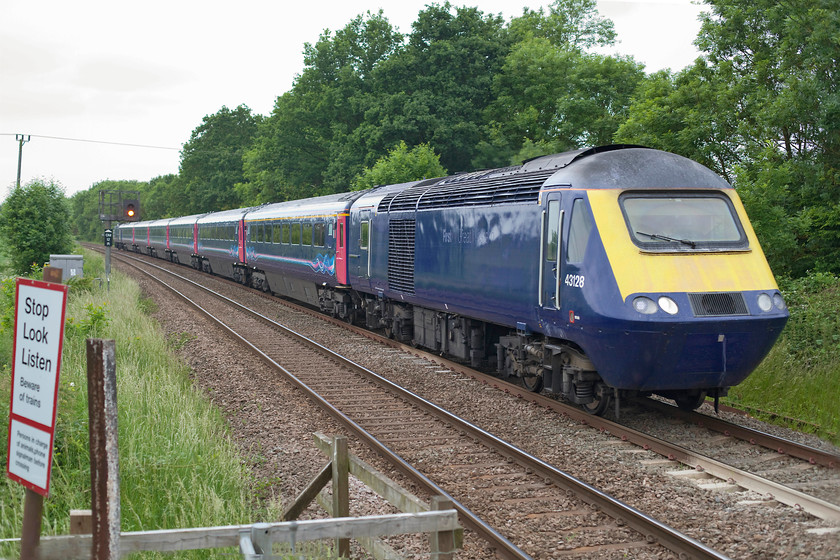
{"points": [[575, 280]]}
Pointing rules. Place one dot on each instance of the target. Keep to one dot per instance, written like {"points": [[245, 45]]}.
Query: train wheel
{"points": [[690, 401], [603, 399], [533, 383]]}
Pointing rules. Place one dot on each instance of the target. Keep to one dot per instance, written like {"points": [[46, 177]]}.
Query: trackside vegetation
{"points": [[178, 465], [799, 381]]}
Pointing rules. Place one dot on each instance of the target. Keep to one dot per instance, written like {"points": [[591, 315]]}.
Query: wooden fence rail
{"points": [[438, 519], [72, 547]]}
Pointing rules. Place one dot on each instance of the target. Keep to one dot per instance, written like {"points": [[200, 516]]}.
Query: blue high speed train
{"points": [[597, 274]]}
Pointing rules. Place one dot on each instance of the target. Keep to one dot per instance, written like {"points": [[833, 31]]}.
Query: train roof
{"points": [[628, 167], [159, 223], [315, 206], [224, 216], [186, 220], [373, 197], [604, 167], [133, 225]]}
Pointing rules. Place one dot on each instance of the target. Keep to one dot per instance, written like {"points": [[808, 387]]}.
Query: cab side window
{"points": [[579, 230], [363, 242]]}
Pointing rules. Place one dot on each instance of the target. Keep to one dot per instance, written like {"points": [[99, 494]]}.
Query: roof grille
{"points": [[401, 256], [718, 304], [471, 189]]}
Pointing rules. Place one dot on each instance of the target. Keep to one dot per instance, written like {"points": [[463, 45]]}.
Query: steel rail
{"points": [[653, 530], [470, 519], [789, 496], [781, 445]]}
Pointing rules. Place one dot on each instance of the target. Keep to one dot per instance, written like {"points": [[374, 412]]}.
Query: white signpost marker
{"points": [[39, 334]]}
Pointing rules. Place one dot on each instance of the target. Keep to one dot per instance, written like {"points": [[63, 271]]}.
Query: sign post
{"points": [[39, 334]]}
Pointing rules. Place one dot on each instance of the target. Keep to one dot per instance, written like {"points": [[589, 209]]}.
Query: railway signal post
{"points": [[116, 206]]}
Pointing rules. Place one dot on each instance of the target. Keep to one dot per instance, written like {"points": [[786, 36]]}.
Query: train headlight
{"points": [[668, 305], [765, 302], [644, 305], [779, 301]]}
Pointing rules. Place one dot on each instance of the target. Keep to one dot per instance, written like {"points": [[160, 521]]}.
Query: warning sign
{"points": [[39, 333]]}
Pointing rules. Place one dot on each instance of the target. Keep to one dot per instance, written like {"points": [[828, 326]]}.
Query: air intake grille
{"points": [[471, 189], [714, 305], [401, 256]]}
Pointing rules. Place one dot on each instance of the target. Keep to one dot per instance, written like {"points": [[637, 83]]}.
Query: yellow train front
{"points": [[653, 281]]}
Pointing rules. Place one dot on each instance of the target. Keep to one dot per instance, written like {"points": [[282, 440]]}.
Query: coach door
{"points": [[550, 250], [240, 239], [361, 234], [341, 249]]}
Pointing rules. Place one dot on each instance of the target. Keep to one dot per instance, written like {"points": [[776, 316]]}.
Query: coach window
{"points": [[363, 242], [284, 234], [579, 230], [296, 233], [275, 233], [552, 234], [307, 234], [318, 234]]}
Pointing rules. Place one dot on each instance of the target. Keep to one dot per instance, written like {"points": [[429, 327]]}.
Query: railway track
{"points": [[445, 454]]}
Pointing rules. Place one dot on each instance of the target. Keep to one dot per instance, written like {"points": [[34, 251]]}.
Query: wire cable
{"points": [[94, 141]]}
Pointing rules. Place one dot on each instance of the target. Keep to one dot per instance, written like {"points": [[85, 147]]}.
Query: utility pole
{"points": [[23, 139]]}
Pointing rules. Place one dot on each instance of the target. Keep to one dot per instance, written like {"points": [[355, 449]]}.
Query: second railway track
{"points": [[485, 470]]}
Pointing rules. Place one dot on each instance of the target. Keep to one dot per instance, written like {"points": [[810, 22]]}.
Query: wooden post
{"points": [[30, 534], [104, 455], [341, 488], [53, 274], [442, 543], [81, 522]]}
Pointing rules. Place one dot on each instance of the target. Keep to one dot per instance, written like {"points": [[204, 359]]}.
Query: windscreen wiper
{"points": [[688, 242]]}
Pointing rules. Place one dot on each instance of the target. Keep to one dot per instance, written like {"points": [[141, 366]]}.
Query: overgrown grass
{"points": [[178, 467], [800, 378]]}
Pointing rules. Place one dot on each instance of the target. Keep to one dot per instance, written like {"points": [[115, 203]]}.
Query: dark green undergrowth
{"points": [[798, 384], [178, 466]]}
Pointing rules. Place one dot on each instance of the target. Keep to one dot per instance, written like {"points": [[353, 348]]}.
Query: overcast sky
{"points": [[77, 75]]}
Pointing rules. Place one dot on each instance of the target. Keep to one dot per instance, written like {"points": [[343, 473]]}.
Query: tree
{"points": [[762, 108], [689, 113], [35, 222], [211, 161], [306, 146], [400, 166], [781, 59], [554, 98], [570, 24], [436, 89], [163, 197], [85, 223]]}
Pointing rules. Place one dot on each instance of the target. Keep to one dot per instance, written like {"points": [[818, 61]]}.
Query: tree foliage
{"points": [[761, 107], [211, 161], [35, 222], [400, 166]]}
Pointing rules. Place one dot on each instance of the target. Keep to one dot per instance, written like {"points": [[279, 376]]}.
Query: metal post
{"points": [[104, 457], [23, 139], [108, 263]]}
